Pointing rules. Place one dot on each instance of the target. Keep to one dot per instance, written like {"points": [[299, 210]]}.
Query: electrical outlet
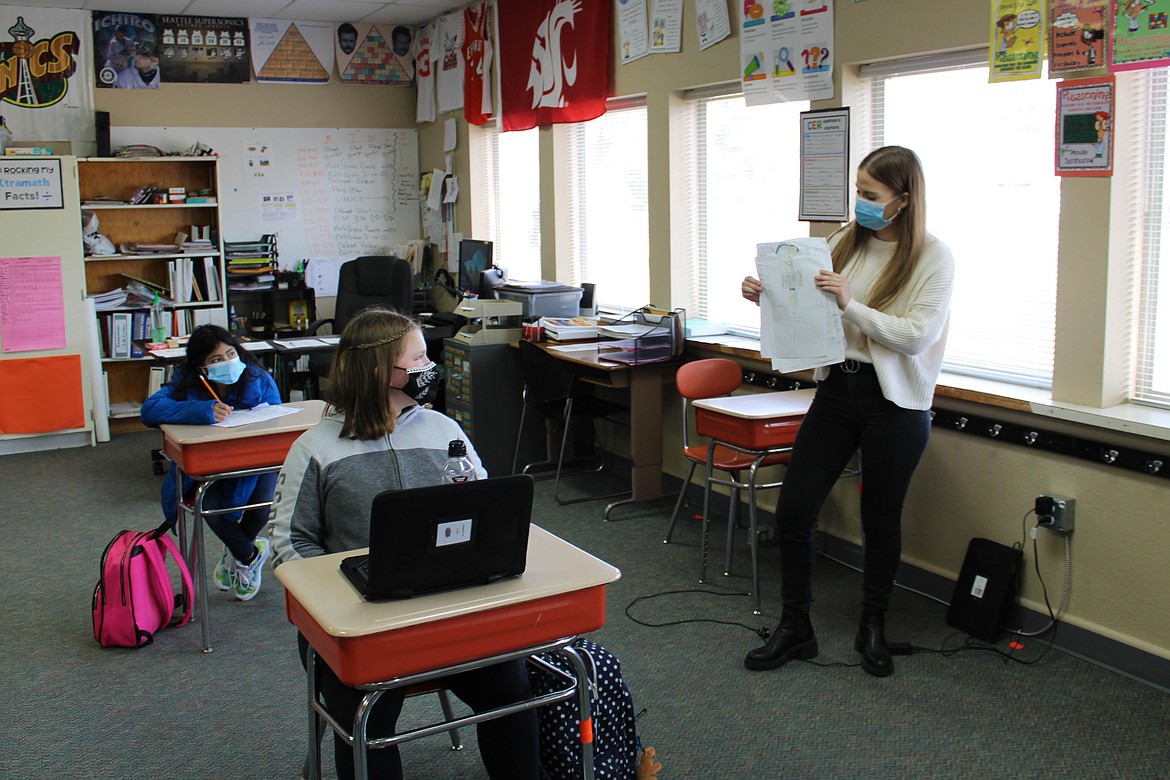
{"points": [[1056, 513]]}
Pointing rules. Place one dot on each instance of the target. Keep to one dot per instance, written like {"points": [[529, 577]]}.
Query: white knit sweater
{"points": [[905, 342]]}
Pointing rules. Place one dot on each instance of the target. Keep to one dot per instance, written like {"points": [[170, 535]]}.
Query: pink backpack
{"points": [[134, 598]]}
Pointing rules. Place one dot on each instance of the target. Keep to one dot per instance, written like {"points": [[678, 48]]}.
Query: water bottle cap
{"points": [[457, 448]]}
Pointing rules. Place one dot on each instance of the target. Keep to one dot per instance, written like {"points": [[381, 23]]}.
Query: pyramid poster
{"points": [[373, 54], [287, 52]]}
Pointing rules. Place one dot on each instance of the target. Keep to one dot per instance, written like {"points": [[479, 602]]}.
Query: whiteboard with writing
{"points": [[329, 194]]}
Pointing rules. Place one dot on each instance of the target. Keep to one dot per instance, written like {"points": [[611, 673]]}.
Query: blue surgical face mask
{"points": [[871, 214], [226, 372]]}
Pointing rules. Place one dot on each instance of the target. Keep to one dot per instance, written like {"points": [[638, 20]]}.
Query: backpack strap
{"points": [[158, 558]]}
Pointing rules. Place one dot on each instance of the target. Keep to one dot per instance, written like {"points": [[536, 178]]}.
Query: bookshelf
{"points": [[181, 201]]}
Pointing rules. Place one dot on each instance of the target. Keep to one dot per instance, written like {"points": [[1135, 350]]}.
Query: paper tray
{"points": [[371, 658]]}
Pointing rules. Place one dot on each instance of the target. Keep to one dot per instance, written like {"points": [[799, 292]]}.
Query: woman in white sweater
{"points": [[892, 282]]}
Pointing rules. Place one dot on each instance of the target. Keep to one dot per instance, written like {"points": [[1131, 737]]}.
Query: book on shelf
{"points": [[157, 380], [121, 323], [135, 248]]}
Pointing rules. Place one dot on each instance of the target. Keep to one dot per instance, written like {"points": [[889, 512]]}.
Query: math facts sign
{"points": [[30, 184]]}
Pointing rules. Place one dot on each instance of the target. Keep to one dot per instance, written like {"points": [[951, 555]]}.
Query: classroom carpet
{"points": [[75, 709]]}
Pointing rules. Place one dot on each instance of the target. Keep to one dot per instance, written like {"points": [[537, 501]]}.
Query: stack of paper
{"points": [[800, 326], [568, 328]]}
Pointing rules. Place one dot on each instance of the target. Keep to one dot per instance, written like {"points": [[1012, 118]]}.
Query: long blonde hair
{"points": [[359, 384], [899, 169]]}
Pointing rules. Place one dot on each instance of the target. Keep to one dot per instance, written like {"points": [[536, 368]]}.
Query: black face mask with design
{"points": [[422, 383]]}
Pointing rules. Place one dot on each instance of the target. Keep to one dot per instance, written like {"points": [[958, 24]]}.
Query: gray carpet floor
{"points": [[75, 709]]}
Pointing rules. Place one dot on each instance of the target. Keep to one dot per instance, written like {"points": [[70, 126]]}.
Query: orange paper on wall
{"points": [[39, 395]]}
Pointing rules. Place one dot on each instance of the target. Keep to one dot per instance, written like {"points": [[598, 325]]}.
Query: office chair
{"points": [[712, 378], [361, 283], [552, 390]]}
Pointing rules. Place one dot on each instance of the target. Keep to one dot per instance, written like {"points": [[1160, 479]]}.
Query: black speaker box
{"points": [[985, 590], [102, 127]]}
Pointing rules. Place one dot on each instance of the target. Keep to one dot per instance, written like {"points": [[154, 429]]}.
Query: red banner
{"points": [[554, 61]]}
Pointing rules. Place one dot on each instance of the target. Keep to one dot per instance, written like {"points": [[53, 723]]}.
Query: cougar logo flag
{"points": [[554, 61]]}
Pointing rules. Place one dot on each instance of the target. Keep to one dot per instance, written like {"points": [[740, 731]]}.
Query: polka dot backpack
{"points": [[615, 739]]}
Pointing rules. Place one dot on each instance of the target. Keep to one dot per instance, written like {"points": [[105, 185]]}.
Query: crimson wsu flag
{"points": [[554, 61]]}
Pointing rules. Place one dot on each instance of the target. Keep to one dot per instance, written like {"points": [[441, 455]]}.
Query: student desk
{"points": [[209, 454], [382, 645], [758, 425], [644, 381]]}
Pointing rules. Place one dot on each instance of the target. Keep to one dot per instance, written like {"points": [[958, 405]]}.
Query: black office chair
{"points": [[552, 390], [361, 283]]}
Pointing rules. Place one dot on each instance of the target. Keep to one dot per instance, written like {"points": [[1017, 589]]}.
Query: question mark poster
{"points": [[1141, 34], [1017, 40]]}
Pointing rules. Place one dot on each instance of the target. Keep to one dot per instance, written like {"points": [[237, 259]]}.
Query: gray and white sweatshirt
{"points": [[327, 485]]}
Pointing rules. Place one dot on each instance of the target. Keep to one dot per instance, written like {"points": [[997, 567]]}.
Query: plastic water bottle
{"points": [[458, 467], [158, 322], [233, 323]]}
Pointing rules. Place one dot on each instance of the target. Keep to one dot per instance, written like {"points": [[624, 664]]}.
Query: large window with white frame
{"points": [[1151, 359], [992, 197], [510, 171], [743, 190], [609, 231]]}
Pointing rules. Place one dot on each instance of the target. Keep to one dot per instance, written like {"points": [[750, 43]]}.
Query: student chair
{"points": [[366, 281], [553, 391], [313, 759], [713, 378]]}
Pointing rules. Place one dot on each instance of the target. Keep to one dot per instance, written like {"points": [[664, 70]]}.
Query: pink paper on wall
{"points": [[32, 311]]}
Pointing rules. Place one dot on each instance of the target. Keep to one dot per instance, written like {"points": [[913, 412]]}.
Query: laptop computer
{"points": [[442, 537]]}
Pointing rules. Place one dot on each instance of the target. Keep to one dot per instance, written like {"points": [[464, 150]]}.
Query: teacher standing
{"points": [[892, 282]]}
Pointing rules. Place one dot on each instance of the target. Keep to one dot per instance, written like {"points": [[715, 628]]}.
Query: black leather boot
{"points": [[871, 643], [793, 638]]}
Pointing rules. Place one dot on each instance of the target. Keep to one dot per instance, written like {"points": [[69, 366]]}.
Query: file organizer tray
{"points": [[646, 335]]}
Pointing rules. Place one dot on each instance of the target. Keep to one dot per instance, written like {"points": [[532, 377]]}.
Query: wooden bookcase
{"points": [[152, 223]]}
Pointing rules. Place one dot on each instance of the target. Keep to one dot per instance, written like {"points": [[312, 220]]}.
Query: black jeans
{"points": [[509, 746], [239, 536], [849, 412]]}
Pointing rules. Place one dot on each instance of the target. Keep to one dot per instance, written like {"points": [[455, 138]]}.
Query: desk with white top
{"points": [[395, 643], [209, 454], [761, 426]]}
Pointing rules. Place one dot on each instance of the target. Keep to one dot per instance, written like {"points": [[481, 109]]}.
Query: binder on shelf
{"points": [[157, 380], [121, 323], [646, 335]]}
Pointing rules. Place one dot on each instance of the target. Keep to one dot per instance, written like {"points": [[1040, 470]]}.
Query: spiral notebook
{"points": [[442, 537]]}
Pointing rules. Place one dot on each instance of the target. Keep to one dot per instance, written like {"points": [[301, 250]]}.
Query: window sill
{"points": [[1135, 419]]}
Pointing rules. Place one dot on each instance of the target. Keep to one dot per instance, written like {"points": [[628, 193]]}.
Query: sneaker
{"points": [[248, 575], [225, 570]]}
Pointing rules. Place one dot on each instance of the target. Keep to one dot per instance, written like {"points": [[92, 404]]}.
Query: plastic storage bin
{"points": [[561, 302]]}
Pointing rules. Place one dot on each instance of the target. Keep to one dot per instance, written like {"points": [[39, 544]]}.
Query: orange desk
{"points": [[208, 454], [759, 425], [644, 382], [389, 644]]}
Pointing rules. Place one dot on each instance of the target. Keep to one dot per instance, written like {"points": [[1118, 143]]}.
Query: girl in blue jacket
{"points": [[214, 354]]}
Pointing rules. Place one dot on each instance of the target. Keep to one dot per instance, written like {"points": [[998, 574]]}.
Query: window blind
{"points": [[1151, 373]]}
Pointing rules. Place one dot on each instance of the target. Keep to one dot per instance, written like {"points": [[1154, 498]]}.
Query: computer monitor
{"points": [[475, 257]]}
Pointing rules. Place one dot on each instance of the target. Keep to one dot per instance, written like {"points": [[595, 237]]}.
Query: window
{"points": [[1151, 377], [992, 197], [744, 191], [510, 166], [609, 236]]}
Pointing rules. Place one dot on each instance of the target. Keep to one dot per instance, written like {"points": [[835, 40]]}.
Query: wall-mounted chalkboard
{"points": [[330, 194]]}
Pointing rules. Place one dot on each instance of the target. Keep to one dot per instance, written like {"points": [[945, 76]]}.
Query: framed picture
{"points": [[298, 314]]}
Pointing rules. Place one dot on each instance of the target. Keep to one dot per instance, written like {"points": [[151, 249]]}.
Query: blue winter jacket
{"points": [[255, 388]]}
